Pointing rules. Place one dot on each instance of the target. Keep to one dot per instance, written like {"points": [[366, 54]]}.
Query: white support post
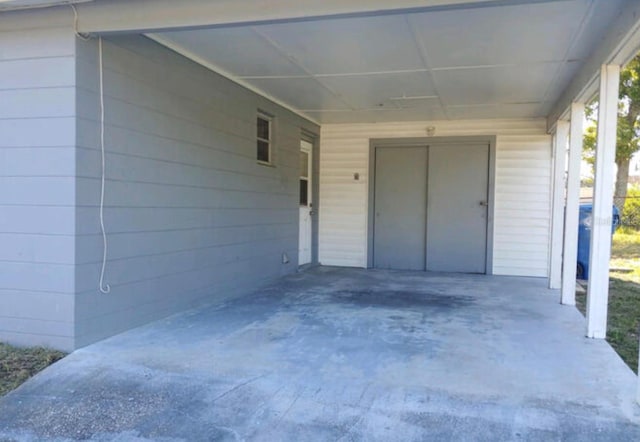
{"points": [[638, 387], [571, 217], [561, 138], [598, 290]]}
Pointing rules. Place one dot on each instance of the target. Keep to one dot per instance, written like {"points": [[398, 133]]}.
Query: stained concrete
{"points": [[344, 355]]}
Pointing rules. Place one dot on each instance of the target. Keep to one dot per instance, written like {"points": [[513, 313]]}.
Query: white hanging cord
{"points": [[104, 288], [80, 35]]}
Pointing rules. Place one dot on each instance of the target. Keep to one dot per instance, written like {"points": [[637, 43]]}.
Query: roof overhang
{"points": [[569, 40], [618, 46]]}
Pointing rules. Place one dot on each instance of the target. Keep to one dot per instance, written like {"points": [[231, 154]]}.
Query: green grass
{"points": [[19, 364], [624, 296]]}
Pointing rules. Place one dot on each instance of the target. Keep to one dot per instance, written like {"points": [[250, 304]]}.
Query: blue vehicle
{"points": [[584, 237]]}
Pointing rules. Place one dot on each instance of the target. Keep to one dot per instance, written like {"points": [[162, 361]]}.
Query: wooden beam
{"points": [[572, 209], [598, 291], [561, 139]]}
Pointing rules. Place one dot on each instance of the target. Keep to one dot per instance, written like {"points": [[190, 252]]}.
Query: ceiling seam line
{"points": [[425, 61], [277, 47]]}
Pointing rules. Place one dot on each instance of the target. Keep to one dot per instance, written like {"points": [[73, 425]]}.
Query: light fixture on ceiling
{"points": [[414, 97], [412, 102]]}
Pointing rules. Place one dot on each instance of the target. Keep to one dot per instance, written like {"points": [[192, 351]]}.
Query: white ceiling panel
{"points": [[499, 35], [564, 74], [478, 62], [598, 22], [301, 93], [239, 51], [368, 91], [344, 46], [525, 110], [513, 84]]}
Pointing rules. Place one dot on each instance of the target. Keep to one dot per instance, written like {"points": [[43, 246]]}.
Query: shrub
{"points": [[631, 212]]}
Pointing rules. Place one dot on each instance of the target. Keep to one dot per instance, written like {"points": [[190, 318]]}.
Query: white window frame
{"points": [[269, 119]]}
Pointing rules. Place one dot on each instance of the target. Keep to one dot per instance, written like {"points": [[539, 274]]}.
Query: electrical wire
{"points": [[81, 36], [104, 288]]}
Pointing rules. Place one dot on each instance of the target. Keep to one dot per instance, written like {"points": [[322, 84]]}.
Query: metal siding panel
{"points": [[37, 103], [37, 190], [191, 217], [522, 203], [28, 73]]}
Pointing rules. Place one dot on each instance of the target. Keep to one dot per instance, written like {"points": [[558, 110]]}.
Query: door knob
{"points": [[484, 203]]}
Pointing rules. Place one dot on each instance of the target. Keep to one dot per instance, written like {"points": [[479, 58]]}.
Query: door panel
{"points": [[400, 208], [457, 208], [306, 205]]}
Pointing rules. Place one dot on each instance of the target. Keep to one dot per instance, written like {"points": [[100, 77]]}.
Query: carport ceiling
{"points": [[496, 61]]}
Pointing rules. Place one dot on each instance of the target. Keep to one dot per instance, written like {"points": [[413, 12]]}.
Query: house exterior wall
{"points": [[190, 216], [522, 189], [37, 179]]}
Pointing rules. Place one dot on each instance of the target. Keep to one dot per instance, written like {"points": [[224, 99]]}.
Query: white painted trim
{"points": [[598, 290], [572, 211], [560, 139], [154, 16], [618, 47], [212, 67], [638, 389], [15, 5]]}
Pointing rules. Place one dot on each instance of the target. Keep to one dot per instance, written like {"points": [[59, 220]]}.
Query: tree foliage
{"points": [[632, 209], [628, 133]]}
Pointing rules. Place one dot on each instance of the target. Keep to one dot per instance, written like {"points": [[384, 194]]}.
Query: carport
{"points": [[343, 354], [148, 199]]}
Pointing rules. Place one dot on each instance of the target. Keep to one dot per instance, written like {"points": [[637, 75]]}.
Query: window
{"points": [[304, 176], [263, 136]]}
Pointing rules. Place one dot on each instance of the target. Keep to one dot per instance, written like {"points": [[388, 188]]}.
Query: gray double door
{"points": [[430, 207]]}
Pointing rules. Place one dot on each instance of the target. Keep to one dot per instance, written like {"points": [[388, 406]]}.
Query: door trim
{"points": [[427, 141]]}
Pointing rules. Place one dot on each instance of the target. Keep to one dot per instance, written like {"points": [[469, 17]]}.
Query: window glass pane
{"points": [[304, 164], [263, 151], [304, 192], [263, 128], [306, 145]]}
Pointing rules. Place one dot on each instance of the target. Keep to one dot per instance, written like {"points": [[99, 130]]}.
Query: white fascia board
{"points": [[142, 16], [13, 5], [619, 46]]}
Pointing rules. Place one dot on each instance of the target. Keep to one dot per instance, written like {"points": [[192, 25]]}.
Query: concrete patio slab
{"points": [[343, 354]]}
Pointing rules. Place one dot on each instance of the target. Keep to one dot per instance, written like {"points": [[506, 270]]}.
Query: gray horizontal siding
{"points": [[191, 217], [37, 184]]}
